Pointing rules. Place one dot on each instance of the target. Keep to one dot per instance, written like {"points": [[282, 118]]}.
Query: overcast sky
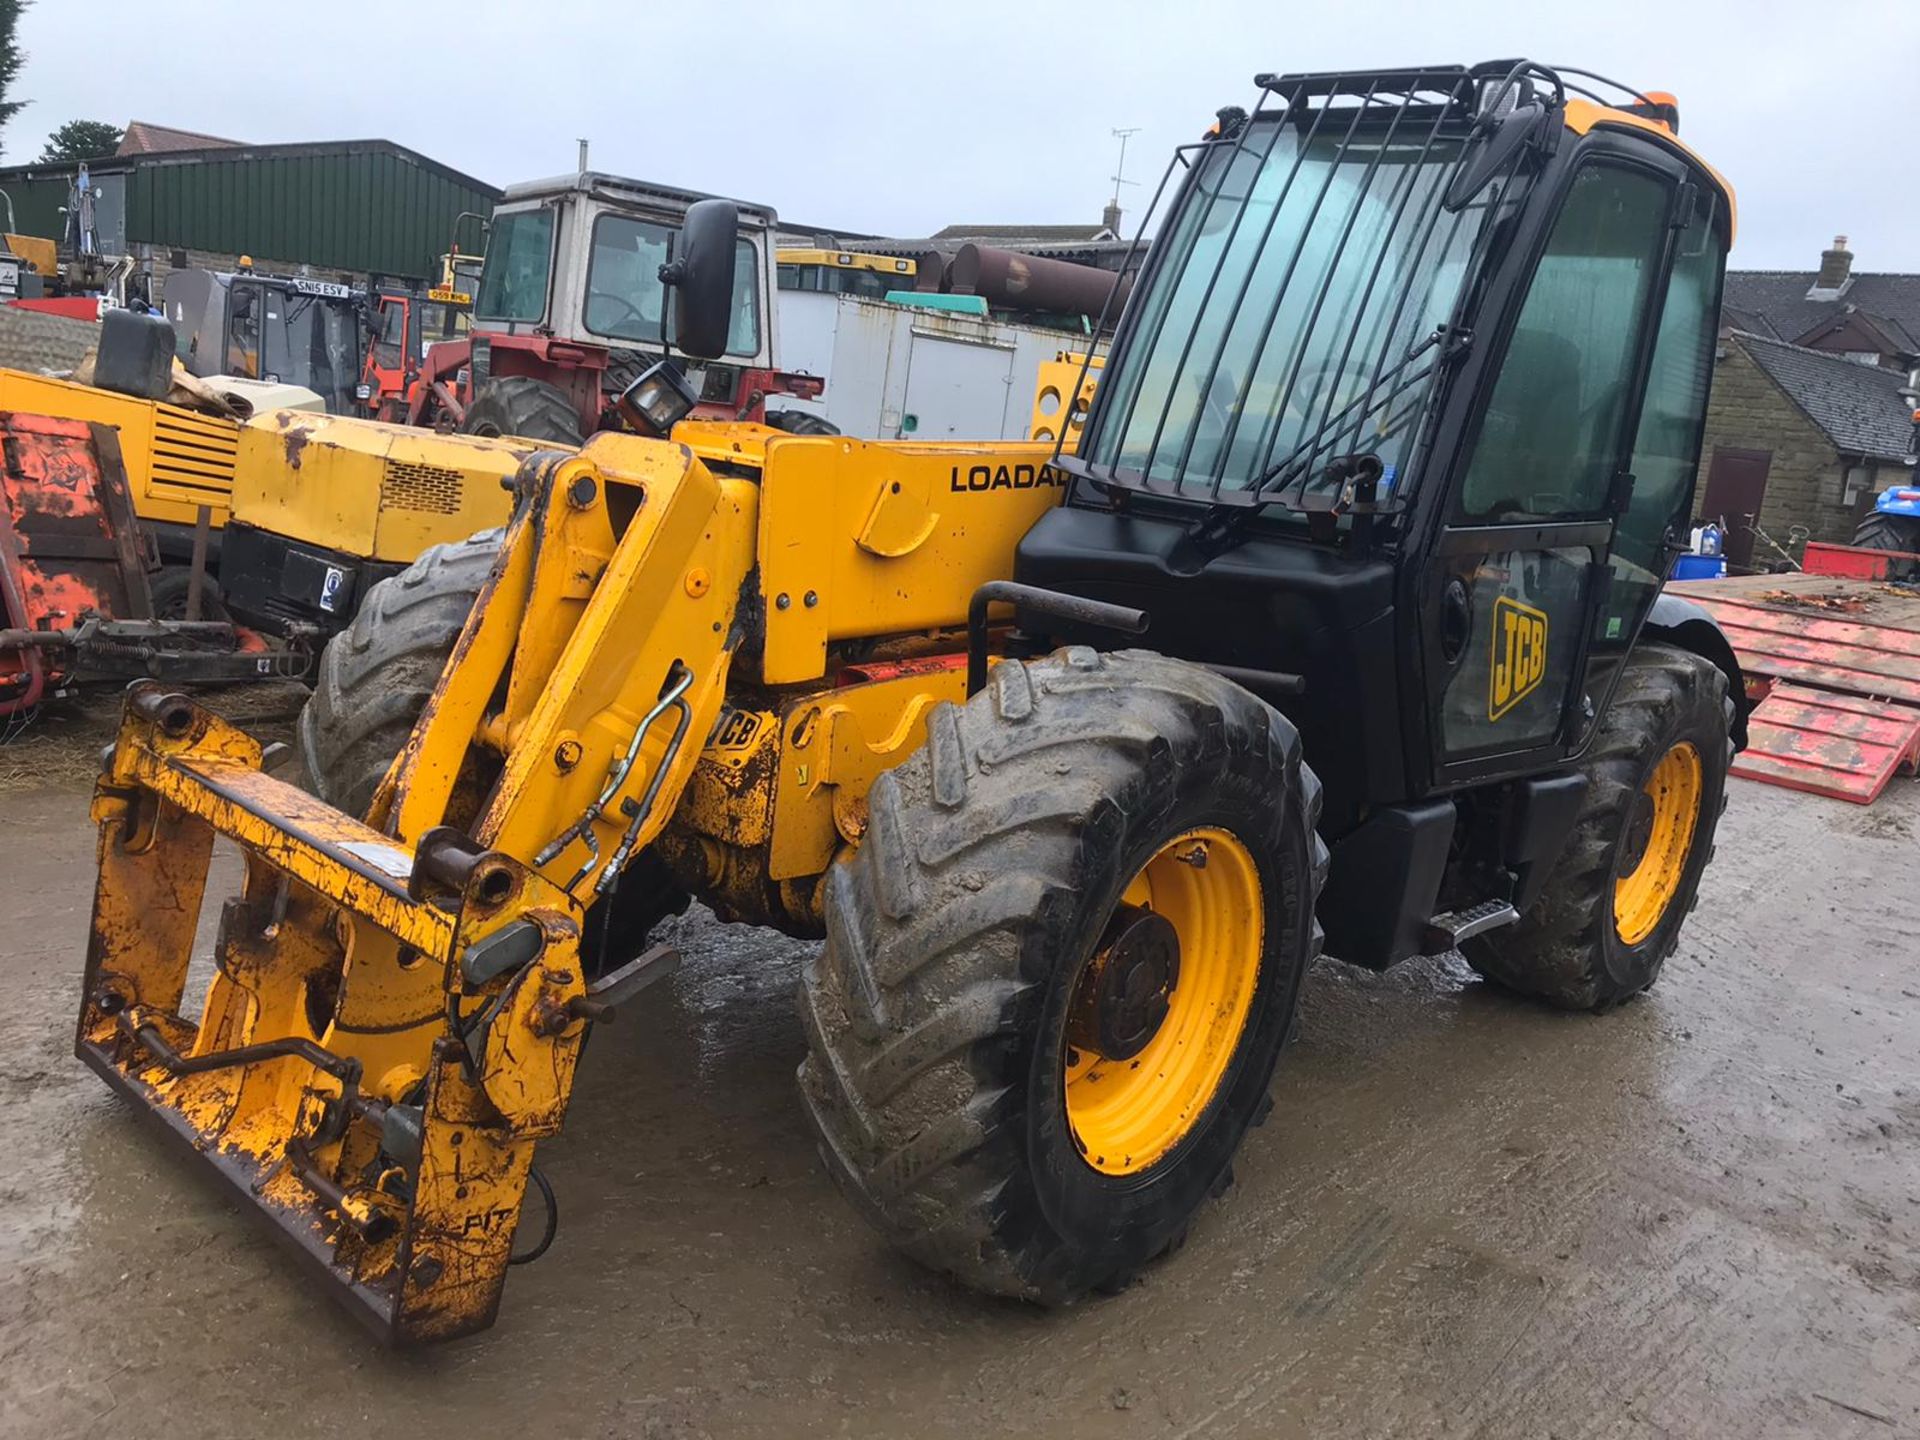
{"points": [[900, 118]]}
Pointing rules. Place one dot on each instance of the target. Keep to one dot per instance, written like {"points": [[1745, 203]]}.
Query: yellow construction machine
{"points": [[1344, 616]]}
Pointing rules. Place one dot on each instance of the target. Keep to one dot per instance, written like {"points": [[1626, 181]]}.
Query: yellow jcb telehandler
{"points": [[1345, 614]]}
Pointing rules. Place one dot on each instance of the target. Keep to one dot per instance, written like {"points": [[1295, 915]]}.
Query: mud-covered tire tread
{"points": [[523, 406], [920, 1007], [1556, 951], [800, 422], [1878, 531], [374, 677]]}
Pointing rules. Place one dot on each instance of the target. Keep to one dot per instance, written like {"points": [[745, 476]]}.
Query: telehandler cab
{"points": [[1345, 613]]}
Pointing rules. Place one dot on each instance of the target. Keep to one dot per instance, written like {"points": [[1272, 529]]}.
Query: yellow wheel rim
{"points": [[1127, 1110], [1653, 856]]}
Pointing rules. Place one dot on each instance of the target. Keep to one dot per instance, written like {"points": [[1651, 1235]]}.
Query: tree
{"points": [[12, 57], [81, 140]]}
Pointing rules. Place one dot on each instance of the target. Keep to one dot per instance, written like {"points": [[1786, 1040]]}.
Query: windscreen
{"points": [[1296, 305], [315, 342], [624, 293]]}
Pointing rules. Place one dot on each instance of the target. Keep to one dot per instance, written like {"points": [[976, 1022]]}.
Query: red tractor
{"points": [[571, 309]]}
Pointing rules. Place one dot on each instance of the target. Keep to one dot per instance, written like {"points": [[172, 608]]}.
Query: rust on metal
{"points": [[1843, 746], [1851, 636], [336, 1002], [1825, 604], [1835, 662], [63, 543]]}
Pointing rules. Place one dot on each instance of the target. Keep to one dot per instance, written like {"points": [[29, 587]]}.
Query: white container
{"points": [[893, 372]]}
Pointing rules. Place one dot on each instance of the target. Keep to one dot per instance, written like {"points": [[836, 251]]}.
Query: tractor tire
{"points": [[1612, 908], [801, 422], [967, 996], [168, 591], [520, 405], [374, 679], [1892, 532]]}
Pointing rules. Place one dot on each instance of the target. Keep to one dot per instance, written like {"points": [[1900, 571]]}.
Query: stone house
{"points": [[1811, 414]]}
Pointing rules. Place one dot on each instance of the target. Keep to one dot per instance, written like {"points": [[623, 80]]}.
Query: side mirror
{"points": [[1490, 150], [701, 274]]}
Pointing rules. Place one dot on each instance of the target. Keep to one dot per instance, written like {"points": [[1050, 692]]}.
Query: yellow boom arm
{"points": [[398, 1002]]}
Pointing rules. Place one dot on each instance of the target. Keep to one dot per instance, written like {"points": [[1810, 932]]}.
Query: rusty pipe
{"points": [[1033, 282]]}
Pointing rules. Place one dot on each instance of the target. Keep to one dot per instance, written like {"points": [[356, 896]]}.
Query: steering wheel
{"points": [[620, 300]]}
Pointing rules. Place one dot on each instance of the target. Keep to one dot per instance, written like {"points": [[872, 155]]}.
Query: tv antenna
{"points": [[1120, 170]]}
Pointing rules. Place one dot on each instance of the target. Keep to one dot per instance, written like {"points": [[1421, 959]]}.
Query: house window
{"points": [[1855, 480]]}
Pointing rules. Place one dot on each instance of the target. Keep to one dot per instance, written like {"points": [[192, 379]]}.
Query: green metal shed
{"points": [[353, 205]]}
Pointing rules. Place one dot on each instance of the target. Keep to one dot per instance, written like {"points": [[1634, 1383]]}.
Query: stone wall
{"points": [[34, 341], [1748, 411]]}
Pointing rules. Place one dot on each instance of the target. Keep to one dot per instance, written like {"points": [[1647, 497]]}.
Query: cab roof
{"points": [[639, 193], [1467, 88], [1659, 121]]}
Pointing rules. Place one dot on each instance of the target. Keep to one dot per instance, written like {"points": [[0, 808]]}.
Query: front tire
{"points": [[1612, 908], [374, 677], [991, 963], [800, 422], [374, 680]]}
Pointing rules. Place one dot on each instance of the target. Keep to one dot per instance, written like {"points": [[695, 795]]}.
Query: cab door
{"points": [[1520, 568], [246, 329], [391, 354]]}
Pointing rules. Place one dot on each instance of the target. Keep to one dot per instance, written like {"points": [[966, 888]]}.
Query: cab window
{"points": [[513, 281], [390, 346], [1666, 444], [1548, 443], [625, 296]]}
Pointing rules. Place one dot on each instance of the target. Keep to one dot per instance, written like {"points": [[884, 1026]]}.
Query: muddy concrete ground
{"points": [[1468, 1216]]}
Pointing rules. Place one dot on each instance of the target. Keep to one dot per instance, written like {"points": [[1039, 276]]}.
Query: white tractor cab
{"points": [[284, 330], [571, 308]]}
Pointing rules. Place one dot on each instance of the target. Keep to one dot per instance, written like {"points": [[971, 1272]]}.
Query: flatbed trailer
{"points": [[1835, 664]]}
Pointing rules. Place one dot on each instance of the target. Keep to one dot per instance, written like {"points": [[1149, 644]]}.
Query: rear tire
{"points": [[1892, 532], [960, 936], [1573, 949], [520, 405]]}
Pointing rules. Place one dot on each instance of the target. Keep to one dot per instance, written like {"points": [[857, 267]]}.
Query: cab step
{"points": [[1444, 932]]}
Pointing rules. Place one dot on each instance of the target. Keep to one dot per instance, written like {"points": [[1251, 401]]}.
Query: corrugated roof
{"points": [[145, 138], [228, 152], [1032, 234], [1857, 407], [1779, 297]]}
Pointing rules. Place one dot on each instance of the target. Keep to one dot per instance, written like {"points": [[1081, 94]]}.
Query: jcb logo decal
{"points": [[1519, 655], [736, 729]]}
